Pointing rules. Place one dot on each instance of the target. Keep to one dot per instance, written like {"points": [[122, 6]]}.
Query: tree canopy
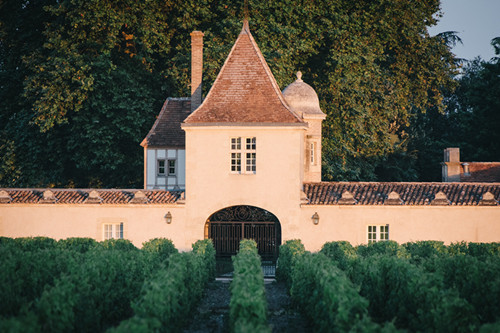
{"points": [[82, 81]]}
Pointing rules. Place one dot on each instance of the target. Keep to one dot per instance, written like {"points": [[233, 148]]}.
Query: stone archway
{"points": [[228, 226]]}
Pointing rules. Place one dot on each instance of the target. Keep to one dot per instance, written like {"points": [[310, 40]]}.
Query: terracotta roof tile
{"points": [[365, 193], [79, 196], [245, 90], [166, 131], [482, 172]]}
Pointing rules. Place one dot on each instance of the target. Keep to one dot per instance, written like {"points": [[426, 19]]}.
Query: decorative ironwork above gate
{"points": [[243, 214]]}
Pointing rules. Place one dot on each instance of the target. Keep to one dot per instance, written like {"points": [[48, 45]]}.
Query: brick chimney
{"points": [[451, 165], [196, 68]]}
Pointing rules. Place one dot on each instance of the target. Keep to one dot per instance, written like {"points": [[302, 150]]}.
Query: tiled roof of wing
{"points": [[166, 131], [383, 193]]}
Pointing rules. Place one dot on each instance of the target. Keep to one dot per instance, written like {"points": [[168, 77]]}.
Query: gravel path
{"points": [[212, 314]]}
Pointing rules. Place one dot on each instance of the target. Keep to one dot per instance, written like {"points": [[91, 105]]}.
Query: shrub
{"points": [[288, 252], [342, 253], [35, 243], [25, 274], [248, 305], [389, 248], [484, 249], [326, 296], [476, 280], [206, 249], [117, 244], [95, 295], [169, 297], [161, 246], [425, 249], [20, 324], [416, 300], [77, 244], [458, 248]]}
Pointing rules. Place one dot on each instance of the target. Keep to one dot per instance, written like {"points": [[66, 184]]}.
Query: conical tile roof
{"points": [[245, 91]]}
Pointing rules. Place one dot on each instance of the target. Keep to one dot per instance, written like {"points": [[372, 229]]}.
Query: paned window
{"points": [[378, 233], [171, 167], [161, 167], [251, 155], [313, 151], [243, 155], [113, 231]]}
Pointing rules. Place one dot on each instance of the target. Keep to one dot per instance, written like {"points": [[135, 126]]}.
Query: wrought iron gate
{"points": [[229, 226]]}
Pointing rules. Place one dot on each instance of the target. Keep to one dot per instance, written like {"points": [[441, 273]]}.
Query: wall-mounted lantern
{"points": [[168, 218], [315, 218]]}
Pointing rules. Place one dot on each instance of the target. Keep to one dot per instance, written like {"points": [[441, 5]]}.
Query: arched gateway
{"points": [[228, 226]]}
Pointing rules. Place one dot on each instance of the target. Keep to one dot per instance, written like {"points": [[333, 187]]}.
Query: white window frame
{"points": [[168, 167], [243, 156], [377, 233], [158, 162], [112, 231]]}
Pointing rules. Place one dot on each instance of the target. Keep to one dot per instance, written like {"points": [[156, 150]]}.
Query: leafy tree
{"points": [[471, 119], [86, 79]]}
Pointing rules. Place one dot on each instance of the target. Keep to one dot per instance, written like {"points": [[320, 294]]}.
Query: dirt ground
{"points": [[212, 314]]}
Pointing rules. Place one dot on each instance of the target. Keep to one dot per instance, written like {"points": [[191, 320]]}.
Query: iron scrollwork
{"points": [[243, 214]]}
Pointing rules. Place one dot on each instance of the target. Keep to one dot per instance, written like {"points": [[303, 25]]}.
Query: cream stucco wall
{"points": [[406, 224], [141, 222], [210, 185]]}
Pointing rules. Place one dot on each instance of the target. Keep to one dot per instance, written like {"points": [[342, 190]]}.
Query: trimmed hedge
{"points": [[76, 244], [415, 300], [206, 249], [342, 253], [477, 279], [248, 305], [96, 294], [389, 248], [25, 274], [163, 247], [169, 297], [288, 252], [328, 298]]}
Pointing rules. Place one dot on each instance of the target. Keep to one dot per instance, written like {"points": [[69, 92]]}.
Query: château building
{"points": [[245, 162]]}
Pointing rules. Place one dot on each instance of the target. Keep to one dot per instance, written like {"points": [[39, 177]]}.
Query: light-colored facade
{"points": [[250, 148]]}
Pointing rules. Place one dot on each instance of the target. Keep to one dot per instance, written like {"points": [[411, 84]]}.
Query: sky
{"points": [[477, 23]]}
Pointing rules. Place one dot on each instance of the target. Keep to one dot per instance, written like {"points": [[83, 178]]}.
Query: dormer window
{"points": [[243, 155], [161, 167], [171, 167]]}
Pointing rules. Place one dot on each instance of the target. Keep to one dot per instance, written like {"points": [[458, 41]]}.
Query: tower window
{"points": [[243, 156]]}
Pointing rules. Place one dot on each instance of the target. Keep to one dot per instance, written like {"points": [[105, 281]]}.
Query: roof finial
{"points": [[299, 76], [245, 9], [245, 13]]}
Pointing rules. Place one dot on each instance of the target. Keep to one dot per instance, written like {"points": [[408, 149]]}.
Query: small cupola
{"points": [[302, 98], [304, 102]]}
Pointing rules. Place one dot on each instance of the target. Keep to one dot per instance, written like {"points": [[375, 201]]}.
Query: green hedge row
{"points": [[402, 292], [342, 252], [288, 251], [323, 292], [169, 297], [455, 286], [476, 279], [248, 305], [75, 284]]}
